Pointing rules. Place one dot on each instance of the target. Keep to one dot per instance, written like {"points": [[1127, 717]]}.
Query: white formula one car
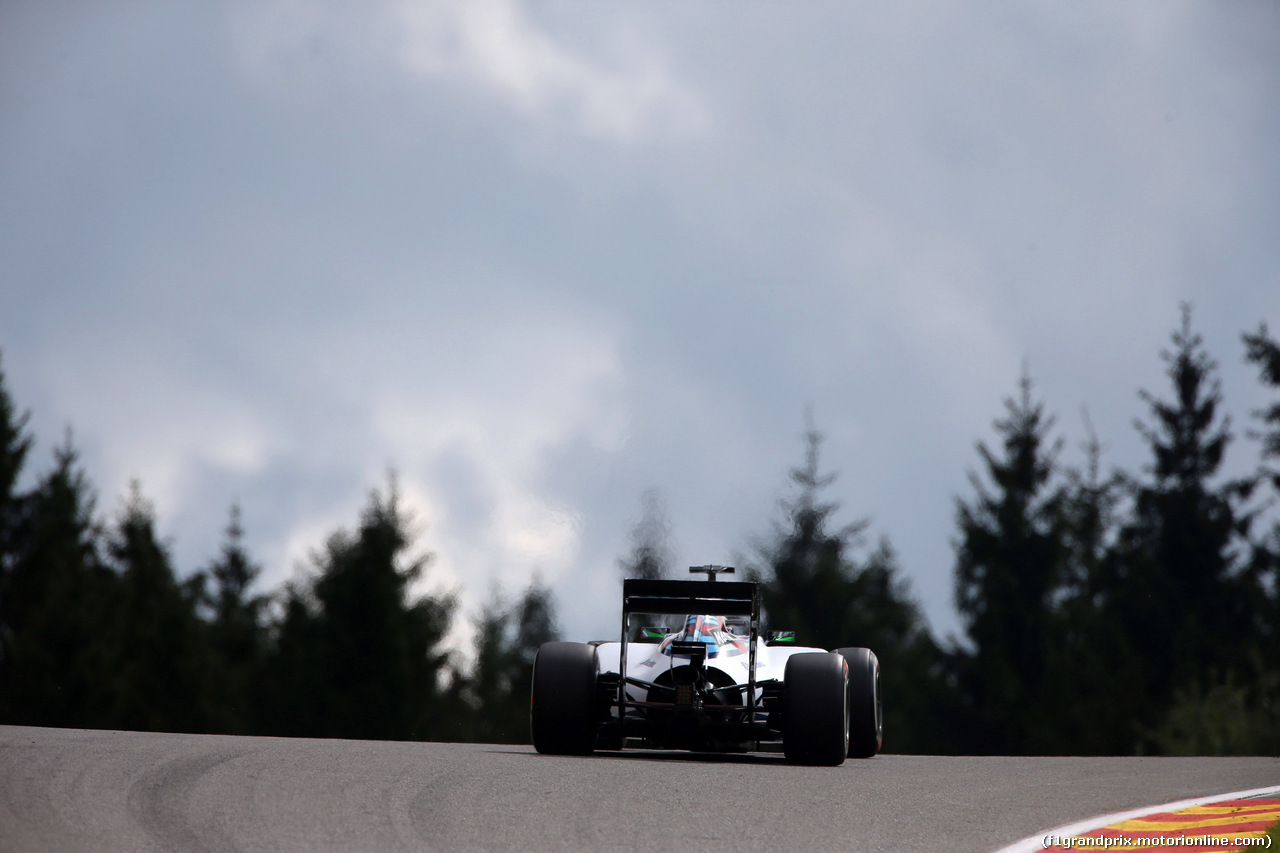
{"points": [[714, 685]]}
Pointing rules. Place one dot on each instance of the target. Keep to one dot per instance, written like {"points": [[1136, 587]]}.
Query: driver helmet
{"points": [[702, 629], [699, 628]]}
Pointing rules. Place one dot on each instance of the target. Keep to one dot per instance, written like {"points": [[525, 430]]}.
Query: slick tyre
{"points": [[816, 721], [866, 713], [561, 707]]}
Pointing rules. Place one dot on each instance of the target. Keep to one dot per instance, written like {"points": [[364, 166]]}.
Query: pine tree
{"points": [[1091, 663], [535, 624], [356, 655], [236, 629], [162, 672], [1247, 719], [650, 555], [489, 686], [507, 638], [57, 613], [15, 443], [1264, 352], [1010, 570], [812, 582], [1183, 599], [807, 579]]}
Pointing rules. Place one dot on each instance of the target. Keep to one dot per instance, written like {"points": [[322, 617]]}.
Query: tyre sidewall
{"points": [[866, 710], [815, 717], [562, 699]]}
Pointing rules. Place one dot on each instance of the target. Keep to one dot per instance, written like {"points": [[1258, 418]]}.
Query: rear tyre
{"points": [[561, 704], [815, 725], [866, 714]]}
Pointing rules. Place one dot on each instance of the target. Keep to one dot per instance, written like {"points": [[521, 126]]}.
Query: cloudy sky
{"points": [[541, 257]]}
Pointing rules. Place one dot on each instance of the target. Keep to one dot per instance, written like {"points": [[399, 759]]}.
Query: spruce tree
{"points": [[812, 581], [507, 638], [808, 575], [163, 665], [1183, 598], [650, 555], [236, 629], [534, 620], [15, 443], [489, 685], [1091, 662], [1264, 353], [356, 654], [57, 612], [1009, 568], [1255, 695]]}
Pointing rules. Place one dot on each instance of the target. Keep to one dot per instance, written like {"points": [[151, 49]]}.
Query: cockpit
{"points": [[721, 635]]}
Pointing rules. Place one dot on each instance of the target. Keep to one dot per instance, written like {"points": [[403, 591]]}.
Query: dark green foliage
{"points": [[1264, 352], [236, 629], [1262, 571], [507, 638], [1011, 564], [58, 610], [356, 655], [490, 685], [1093, 664], [15, 443], [1182, 597], [1105, 612], [162, 666], [1229, 718], [813, 583], [1116, 614]]}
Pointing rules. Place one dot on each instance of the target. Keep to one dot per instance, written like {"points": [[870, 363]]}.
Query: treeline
{"points": [[1104, 611], [1119, 612], [97, 631]]}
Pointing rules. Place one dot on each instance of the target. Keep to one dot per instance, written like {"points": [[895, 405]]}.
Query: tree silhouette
{"points": [[1182, 598], [356, 655], [812, 582], [1010, 569], [1264, 352], [58, 607], [163, 666], [15, 443], [507, 638], [1092, 664], [650, 555], [236, 629]]}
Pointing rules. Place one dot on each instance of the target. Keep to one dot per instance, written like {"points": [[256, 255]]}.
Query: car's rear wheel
{"points": [[866, 714], [815, 726], [561, 709]]}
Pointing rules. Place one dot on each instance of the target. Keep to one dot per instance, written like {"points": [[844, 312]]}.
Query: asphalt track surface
{"points": [[73, 790]]}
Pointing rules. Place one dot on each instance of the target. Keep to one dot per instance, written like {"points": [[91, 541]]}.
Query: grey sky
{"points": [[540, 257]]}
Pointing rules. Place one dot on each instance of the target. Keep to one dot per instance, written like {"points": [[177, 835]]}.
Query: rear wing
{"points": [[722, 598], [682, 598]]}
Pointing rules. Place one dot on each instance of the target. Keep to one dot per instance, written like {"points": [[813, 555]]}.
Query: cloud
{"points": [[626, 94], [473, 431], [496, 45], [539, 258]]}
